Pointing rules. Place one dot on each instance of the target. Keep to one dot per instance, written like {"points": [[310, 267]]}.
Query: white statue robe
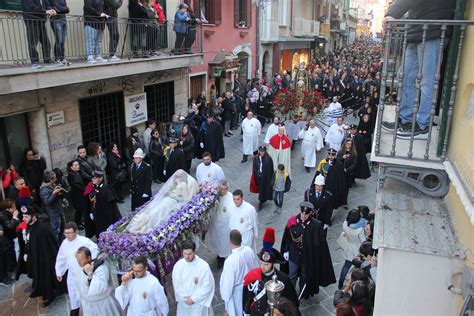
{"points": [[193, 279], [244, 219], [312, 142], [251, 131], [279, 154], [332, 112], [218, 231], [144, 296], [97, 298], [334, 136], [212, 174], [66, 261], [236, 266], [271, 131]]}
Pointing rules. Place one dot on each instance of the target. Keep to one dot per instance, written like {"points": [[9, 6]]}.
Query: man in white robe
{"points": [[193, 283], [66, 261], [333, 111], [218, 231], [244, 219], [251, 129], [335, 134], [280, 150], [209, 172], [142, 291], [312, 142], [236, 266], [272, 130], [95, 286]]}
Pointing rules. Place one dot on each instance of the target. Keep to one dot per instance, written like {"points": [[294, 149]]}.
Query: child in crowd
{"points": [[281, 183]]}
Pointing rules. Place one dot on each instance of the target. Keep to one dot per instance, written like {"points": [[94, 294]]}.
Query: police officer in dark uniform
{"points": [[322, 202], [255, 301], [140, 186]]}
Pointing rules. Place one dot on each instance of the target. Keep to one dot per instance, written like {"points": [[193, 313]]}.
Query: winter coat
{"points": [[355, 237]]}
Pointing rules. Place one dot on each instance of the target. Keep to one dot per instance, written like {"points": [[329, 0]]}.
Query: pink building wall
{"points": [[227, 37]]}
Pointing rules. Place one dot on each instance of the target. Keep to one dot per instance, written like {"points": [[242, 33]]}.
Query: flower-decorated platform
{"points": [[162, 244]]}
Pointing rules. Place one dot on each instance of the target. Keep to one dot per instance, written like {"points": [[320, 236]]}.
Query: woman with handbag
{"points": [[187, 145], [353, 230], [78, 186], [117, 170]]}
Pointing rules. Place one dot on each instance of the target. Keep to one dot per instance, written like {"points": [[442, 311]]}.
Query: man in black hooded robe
{"points": [[212, 139], [41, 250], [335, 179]]}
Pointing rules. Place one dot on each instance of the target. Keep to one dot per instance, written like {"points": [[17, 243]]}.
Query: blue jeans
{"points": [[93, 40], [278, 198], [59, 27], [412, 63], [345, 269]]}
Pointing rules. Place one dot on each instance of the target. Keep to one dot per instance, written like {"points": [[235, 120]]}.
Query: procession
{"points": [[202, 158]]}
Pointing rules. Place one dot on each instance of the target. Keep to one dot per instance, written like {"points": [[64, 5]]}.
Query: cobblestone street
{"points": [[12, 299]]}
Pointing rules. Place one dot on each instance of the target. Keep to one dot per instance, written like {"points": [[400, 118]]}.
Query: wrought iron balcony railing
{"points": [[136, 38], [419, 82]]}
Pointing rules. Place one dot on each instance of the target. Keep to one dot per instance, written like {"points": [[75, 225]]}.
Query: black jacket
{"points": [[322, 205], [141, 180], [8, 224], [115, 165], [32, 171], [137, 11], [229, 109], [86, 169], [92, 11], [61, 8], [111, 7], [35, 8], [422, 10], [77, 189], [188, 147]]}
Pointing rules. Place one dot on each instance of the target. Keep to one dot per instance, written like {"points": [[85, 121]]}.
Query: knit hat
{"points": [[25, 195]]}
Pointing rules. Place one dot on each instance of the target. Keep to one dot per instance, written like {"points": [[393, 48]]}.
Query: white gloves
{"points": [[201, 145], [325, 226], [25, 257], [91, 216], [144, 195], [164, 172], [286, 255]]}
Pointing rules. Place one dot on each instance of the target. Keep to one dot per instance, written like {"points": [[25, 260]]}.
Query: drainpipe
{"points": [[257, 39]]}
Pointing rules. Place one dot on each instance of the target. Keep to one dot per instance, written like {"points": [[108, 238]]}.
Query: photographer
{"points": [[51, 196]]}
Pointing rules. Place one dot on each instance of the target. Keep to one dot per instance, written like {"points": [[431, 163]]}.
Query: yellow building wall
{"points": [[461, 143]]}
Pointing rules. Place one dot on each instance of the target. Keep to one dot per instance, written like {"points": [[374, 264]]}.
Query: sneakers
{"points": [[91, 60], [66, 62], [59, 63], [36, 66], [100, 59], [419, 133], [390, 126], [7, 282], [114, 58]]}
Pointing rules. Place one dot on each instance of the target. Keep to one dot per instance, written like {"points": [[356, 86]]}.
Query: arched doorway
{"points": [[244, 66]]}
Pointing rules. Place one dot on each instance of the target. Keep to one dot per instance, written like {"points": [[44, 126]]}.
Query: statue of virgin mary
{"points": [[172, 196]]}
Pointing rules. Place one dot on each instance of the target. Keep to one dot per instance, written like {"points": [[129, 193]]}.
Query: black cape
{"points": [[175, 162], [214, 142], [362, 167], [316, 255], [42, 249], [106, 209], [335, 181], [367, 128], [255, 278], [264, 183]]}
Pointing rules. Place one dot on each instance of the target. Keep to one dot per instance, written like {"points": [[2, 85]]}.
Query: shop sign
{"points": [[55, 118], [135, 109]]}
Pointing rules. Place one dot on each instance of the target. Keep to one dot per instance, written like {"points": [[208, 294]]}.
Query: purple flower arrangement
{"points": [[161, 244]]}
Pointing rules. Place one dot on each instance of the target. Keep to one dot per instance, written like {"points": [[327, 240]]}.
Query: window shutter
{"points": [[218, 12], [11, 5], [236, 12], [248, 11]]}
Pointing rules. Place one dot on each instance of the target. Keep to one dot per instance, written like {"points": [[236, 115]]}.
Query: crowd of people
{"points": [[36, 239], [147, 22]]}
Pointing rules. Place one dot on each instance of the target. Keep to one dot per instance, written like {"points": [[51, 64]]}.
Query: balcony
{"points": [[402, 150], [305, 28], [143, 46]]}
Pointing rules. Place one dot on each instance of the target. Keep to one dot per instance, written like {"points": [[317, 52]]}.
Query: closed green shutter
{"points": [[10, 5]]}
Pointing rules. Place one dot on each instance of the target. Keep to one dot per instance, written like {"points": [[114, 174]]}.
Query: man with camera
{"points": [[51, 198]]}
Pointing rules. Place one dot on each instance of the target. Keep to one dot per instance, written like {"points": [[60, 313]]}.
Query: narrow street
{"points": [[13, 299]]}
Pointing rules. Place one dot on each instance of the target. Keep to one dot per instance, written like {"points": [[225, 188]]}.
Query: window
{"points": [[283, 12], [244, 66], [160, 101], [242, 13], [209, 10], [103, 119]]}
